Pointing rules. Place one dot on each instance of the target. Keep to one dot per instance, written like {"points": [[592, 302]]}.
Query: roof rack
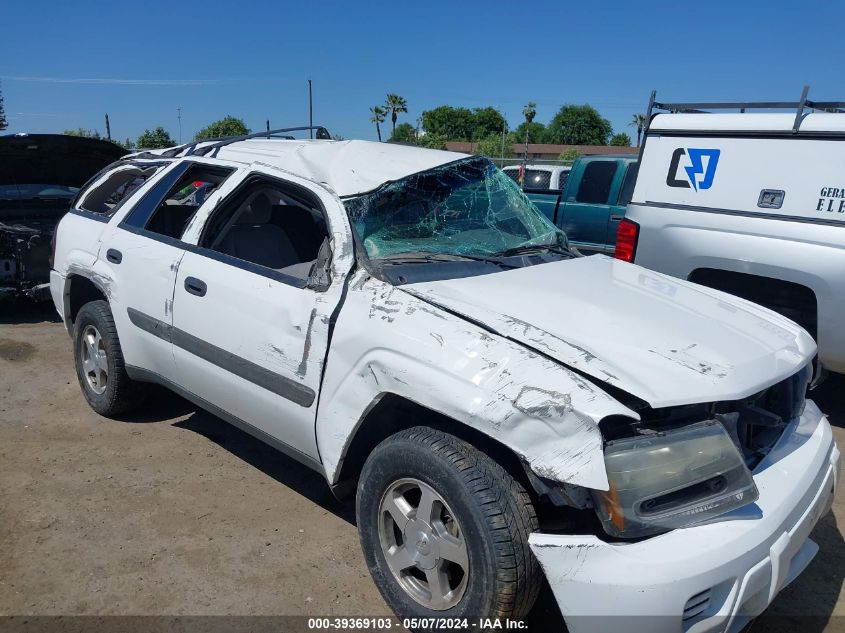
{"points": [[798, 106], [190, 149]]}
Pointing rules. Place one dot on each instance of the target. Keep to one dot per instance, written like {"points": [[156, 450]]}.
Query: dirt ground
{"points": [[177, 513]]}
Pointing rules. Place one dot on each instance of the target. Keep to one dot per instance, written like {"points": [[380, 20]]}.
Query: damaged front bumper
{"points": [[706, 578]]}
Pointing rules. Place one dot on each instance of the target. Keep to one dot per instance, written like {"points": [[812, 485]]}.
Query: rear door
{"points": [[141, 254], [253, 305], [585, 213]]}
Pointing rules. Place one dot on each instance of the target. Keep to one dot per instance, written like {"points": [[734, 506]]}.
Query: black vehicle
{"points": [[40, 175]]}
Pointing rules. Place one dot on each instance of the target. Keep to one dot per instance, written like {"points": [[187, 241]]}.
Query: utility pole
{"points": [[268, 128], [525, 156], [179, 115], [310, 111], [108, 127]]}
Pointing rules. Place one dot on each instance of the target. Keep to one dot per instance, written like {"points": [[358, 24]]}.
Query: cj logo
{"points": [[699, 174]]}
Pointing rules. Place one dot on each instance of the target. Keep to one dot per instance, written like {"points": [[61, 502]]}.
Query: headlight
{"points": [[672, 479]]}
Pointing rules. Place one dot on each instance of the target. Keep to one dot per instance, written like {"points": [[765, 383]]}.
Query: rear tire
{"points": [[99, 362], [468, 557]]}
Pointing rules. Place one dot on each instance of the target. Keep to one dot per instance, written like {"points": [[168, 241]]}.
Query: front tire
{"points": [[444, 529], [99, 362]]}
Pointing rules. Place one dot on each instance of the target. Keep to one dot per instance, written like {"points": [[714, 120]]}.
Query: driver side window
{"points": [[268, 226]]}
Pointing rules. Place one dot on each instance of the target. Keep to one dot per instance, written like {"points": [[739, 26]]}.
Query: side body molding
{"points": [[246, 369]]}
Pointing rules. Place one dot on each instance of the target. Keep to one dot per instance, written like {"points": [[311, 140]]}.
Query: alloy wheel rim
{"points": [[423, 544], [94, 359]]}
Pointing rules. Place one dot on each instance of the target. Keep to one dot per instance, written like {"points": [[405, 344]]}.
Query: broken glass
{"points": [[465, 208]]}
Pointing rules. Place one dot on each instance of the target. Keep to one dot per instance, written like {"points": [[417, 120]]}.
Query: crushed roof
{"points": [[349, 167]]}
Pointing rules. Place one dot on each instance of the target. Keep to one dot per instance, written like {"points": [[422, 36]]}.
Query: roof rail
{"points": [[190, 149], [798, 106]]}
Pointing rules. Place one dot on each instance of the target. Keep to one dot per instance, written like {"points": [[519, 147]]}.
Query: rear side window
{"points": [[108, 196], [596, 182], [168, 207], [628, 184]]}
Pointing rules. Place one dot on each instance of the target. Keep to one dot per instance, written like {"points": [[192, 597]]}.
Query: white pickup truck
{"points": [[751, 203], [405, 322]]}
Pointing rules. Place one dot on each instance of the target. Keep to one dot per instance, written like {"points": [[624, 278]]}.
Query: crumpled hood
{"points": [[664, 340]]}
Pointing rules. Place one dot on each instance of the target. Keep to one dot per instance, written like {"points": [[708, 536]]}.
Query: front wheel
{"points": [[444, 529]]}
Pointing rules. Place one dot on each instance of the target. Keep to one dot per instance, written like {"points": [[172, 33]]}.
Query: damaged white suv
{"points": [[405, 322]]}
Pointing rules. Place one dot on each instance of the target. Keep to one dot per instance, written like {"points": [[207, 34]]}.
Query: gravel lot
{"points": [[175, 512]]}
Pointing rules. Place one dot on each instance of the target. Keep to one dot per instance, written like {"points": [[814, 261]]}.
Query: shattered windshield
{"points": [[468, 209]]}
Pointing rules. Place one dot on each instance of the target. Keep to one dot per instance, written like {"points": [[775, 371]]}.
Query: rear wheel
{"points": [[444, 529], [99, 362]]}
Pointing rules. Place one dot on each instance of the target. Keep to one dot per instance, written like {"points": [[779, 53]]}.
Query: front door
{"points": [[252, 307]]}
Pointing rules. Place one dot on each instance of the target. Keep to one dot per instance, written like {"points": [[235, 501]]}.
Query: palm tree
{"points": [[378, 113], [395, 104], [638, 121], [529, 111]]}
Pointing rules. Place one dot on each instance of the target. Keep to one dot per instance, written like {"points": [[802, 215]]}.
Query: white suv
{"points": [[403, 321]]}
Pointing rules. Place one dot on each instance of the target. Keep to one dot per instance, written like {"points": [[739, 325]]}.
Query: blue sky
{"points": [[65, 64]]}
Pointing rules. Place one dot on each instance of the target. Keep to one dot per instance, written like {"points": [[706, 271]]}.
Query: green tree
{"points": [[620, 140], [453, 124], [158, 138], [3, 122], [490, 146], [578, 125], [568, 155], [638, 121], [432, 141], [227, 126], [377, 115], [463, 124], [395, 105], [487, 122], [536, 133], [82, 132], [404, 133]]}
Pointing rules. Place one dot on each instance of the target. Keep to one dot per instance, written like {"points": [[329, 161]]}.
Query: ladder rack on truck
{"points": [[700, 108]]}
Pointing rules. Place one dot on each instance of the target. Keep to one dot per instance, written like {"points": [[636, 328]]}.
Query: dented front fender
{"points": [[388, 341]]}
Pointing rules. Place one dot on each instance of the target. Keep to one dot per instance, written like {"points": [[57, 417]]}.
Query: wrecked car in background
{"points": [[40, 175], [406, 323]]}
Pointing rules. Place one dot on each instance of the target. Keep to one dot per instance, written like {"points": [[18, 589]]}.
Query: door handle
{"points": [[114, 256], [195, 286], [616, 218]]}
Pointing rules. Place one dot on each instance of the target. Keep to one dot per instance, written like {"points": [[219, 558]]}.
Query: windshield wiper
{"points": [[424, 258], [533, 248]]}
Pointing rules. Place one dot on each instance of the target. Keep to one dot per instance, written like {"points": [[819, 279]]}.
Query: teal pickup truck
{"points": [[586, 201]]}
